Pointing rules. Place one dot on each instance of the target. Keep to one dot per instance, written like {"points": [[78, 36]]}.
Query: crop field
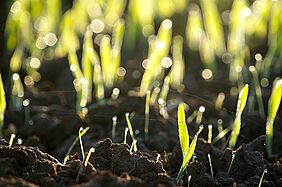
{"points": [[141, 93]]}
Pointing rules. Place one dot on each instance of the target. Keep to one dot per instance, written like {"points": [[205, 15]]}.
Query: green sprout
{"points": [[125, 134], [273, 105], [231, 162], [163, 97], [187, 151], [131, 132], [262, 176], [178, 67], [11, 141], [84, 163], [200, 113], [254, 72], [147, 110], [2, 105], [114, 119], [160, 49], [209, 133], [210, 162], [17, 92], [81, 134], [242, 100]]}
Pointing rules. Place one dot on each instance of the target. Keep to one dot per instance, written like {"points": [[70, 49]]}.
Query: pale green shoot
{"points": [[182, 129], [189, 153], [131, 132], [273, 106], [242, 100], [2, 105]]}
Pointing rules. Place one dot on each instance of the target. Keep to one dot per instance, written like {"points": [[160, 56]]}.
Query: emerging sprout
{"points": [[261, 178], [200, 113], [84, 163], [273, 105], [131, 132], [11, 140], [91, 150], [2, 105], [80, 141], [125, 134], [243, 95], [231, 162], [187, 151], [209, 133], [80, 135], [219, 101], [147, 110], [210, 162], [114, 119]]}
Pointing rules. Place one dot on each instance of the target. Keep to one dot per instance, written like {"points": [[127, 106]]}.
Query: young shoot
{"points": [[125, 134], [273, 106], [154, 95], [163, 97], [221, 134], [258, 92], [131, 132], [242, 100], [210, 162], [261, 178], [82, 133], [115, 93], [114, 119], [188, 180], [147, 110], [219, 101], [192, 116], [2, 105], [189, 152], [231, 162], [11, 141], [17, 92], [209, 133], [84, 163], [199, 116], [80, 141]]}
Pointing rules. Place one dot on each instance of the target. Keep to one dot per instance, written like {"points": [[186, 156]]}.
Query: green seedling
{"points": [[17, 59], [2, 105], [187, 151], [219, 101], [115, 93], [87, 66], [194, 27], [261, 178], [221, 134], [192, 116], [125, 134], [258, 92], [200, 113], [188, 180], [82, 133], [17, 93], [11, 141], [213, 25], [210, 162], [209, 133], [178, 67], [154, 70], [163, 97], [131, 132], [242, 100], [84, 163], [231, 162], [132, 146], [147, 110], [154, 95], [273, 106], [114, 119]]}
